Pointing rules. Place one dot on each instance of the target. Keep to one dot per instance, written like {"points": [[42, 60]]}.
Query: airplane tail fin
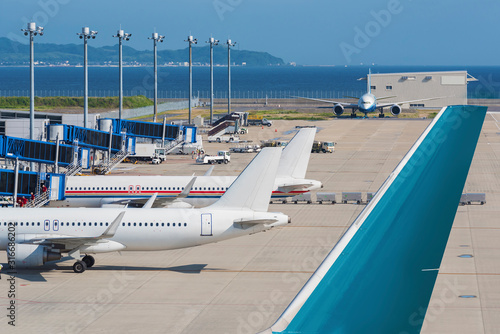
{"points": [[369, 81], [380, 275], [295, 156], [253, 187]]}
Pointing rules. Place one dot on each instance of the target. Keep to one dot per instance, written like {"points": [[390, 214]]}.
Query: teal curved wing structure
{"points": [[380, 275]]}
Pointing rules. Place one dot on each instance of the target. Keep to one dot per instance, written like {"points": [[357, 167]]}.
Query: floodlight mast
{"points": [[212, 41], [156, 38], [121, 36], [191, 41], [32, 30], [229, 45], [86, 34]]}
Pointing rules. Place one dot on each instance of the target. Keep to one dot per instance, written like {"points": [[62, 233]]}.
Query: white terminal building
{"points": [[451, 86]]}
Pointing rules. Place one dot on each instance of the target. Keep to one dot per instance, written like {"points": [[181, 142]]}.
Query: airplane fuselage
{"points": [[96, 191], [139, 230], [367, 103]]}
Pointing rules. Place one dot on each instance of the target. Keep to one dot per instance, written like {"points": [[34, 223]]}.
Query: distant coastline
{"points": [[15, 53]]}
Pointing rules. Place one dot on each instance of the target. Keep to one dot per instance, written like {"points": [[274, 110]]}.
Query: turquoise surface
{"points": [[382, 282]]}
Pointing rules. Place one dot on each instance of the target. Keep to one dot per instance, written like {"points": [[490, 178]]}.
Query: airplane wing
{"points": [[379, 276], [294, 187], [150, 202], [253, 221], [161, 202], [70, 242], [383, 105], [209, 171], [346, 105]]}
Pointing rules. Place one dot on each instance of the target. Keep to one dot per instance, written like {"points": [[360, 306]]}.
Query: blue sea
{"points": [[247, 82]]}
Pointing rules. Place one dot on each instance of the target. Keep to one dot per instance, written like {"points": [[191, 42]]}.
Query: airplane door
{"points": [[206, 224], [188, 137], [54, 188]]}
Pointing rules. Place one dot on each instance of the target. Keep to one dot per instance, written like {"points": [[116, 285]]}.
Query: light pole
{"points": [[32, 31], [212, 42], [86, 34], [121, 36], [229, 45], [156, 38], [191, 41]]}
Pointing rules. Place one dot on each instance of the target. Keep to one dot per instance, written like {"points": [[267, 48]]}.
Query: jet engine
{"points": [[25, 255], [395, 109], [338, 109]]}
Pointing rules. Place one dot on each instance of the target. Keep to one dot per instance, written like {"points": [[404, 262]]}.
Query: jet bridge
{"points": [[36, 151], [32, 182], [90, 138], [163, 131]]}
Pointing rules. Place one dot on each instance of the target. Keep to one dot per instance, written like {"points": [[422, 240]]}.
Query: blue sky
{"points": [[309, 32]]}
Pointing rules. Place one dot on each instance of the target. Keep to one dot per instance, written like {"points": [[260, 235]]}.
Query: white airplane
{"points": [[367, 103], [33, 237], [379, 276], [187, 191]]}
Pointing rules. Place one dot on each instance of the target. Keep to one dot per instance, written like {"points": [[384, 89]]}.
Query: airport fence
{"points": [[202, 94], [181, 94]]}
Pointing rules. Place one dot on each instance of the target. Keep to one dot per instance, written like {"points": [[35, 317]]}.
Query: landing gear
{"points": [[89, 260], [353, 115], [381, 115], [79, 267]]}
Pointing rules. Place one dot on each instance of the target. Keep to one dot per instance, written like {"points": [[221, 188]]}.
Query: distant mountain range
{"points": [[15, 53]]}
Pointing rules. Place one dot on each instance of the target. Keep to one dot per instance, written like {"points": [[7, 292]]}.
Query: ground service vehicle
{"points": [[258, 120], [323, 146], [221, 157]]}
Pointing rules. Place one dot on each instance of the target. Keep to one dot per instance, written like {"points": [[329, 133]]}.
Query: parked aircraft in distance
{"points": [[33, 237], [379, 276], [187, 191], [367, 103]]}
